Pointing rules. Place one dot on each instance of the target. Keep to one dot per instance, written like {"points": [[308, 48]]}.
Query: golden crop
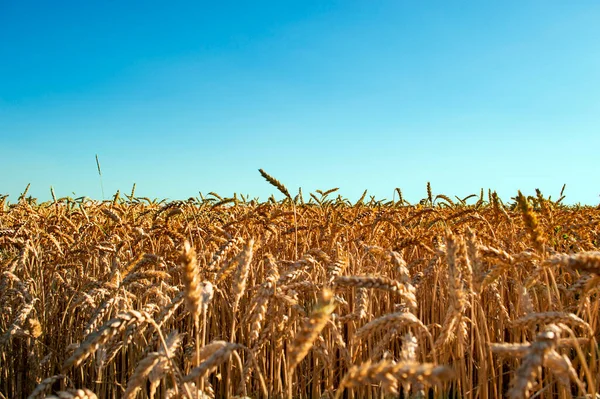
{"points": [[222, 297]]}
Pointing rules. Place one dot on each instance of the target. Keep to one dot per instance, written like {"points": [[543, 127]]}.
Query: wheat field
{"points": [[313, 297]]}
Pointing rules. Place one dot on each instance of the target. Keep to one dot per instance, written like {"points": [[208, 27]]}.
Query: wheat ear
{"points": [[311, 329], [276, 183]]}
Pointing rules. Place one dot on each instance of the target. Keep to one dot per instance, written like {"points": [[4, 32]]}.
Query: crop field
{"points": [[310, 296]]}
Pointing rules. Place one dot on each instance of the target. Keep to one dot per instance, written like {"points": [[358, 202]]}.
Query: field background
{"points": [[302, 297]]}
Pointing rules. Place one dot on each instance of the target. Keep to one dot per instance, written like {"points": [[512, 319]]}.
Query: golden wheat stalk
{"points": [[311, 329], [103, 335], [276, 183], [547, 318], [531, 223]]}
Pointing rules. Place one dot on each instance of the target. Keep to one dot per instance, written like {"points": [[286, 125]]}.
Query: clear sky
{"points": [[188, 96]]}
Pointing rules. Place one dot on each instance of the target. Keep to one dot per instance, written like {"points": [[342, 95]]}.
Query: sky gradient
{"points": [[187, 96]]}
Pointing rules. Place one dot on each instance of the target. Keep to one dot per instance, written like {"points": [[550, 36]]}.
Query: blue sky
{"points": [[188, 96]]}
